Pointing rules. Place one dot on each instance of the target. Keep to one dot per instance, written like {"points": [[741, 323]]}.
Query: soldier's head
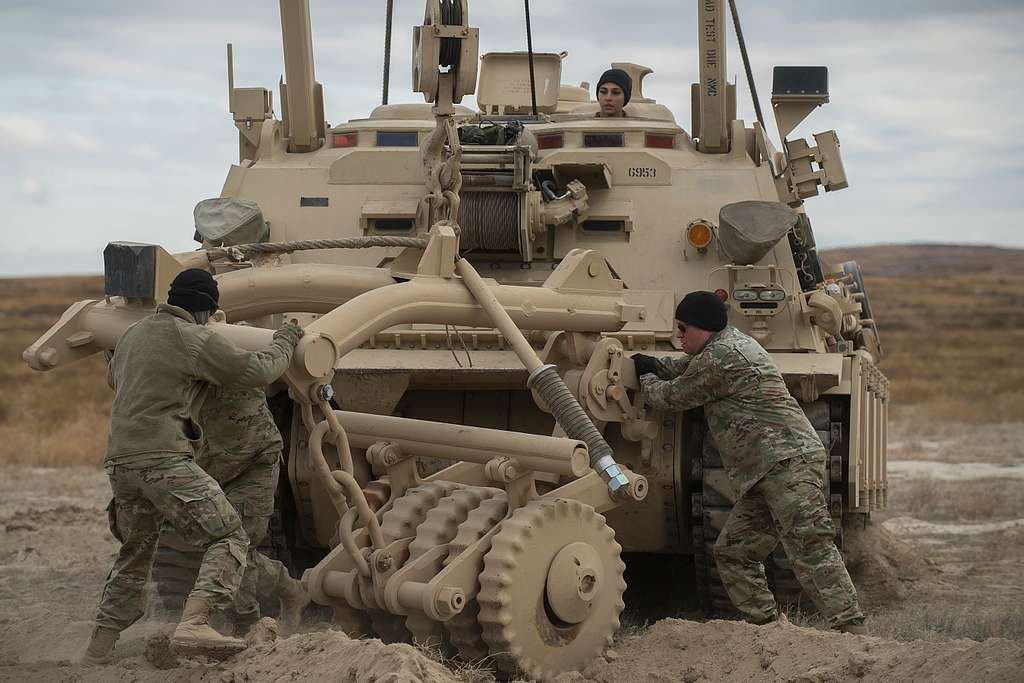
{"points": [[698, 317], [196, 291], [613, 91]]}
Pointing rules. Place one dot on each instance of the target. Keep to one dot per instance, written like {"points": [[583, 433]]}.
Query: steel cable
{"points": [[241, 251], [451, 15]]}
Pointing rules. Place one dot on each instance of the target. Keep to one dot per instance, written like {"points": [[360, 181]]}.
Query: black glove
{"points": [[644, 364], [290, 332]]}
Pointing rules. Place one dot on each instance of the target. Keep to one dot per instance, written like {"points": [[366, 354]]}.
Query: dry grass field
{"points": [[53, 418], [951, 321]]}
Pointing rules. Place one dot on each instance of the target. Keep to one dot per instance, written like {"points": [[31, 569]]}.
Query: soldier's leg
{"points": [[194, 504], [251, 493], [746, 540], [124, 595], [795, 491]]}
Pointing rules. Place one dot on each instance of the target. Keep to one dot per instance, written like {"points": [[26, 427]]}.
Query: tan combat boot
{"points": [[194, 635], [294, 599], [101, 647]]}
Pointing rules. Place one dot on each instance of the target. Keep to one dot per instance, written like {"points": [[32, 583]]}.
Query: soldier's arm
{"points": [[670, 368], [700, 383], [222, 363]]}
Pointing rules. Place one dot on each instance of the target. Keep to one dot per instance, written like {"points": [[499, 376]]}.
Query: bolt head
{"points": [[617, 482], [325, 392]]}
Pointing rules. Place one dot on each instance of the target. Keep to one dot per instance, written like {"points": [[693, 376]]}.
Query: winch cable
{"points": [[387, 52], [746, 62], [451, 48], [242, 251], [529, 57]]}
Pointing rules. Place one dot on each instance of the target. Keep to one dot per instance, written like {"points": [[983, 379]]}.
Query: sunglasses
{"points": [[682, 328]]}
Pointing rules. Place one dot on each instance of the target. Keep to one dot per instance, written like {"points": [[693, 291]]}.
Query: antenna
{"points": [[529, 55], [387, 52], [231, 77]]}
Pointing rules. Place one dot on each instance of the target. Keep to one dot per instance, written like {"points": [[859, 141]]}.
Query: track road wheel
{"points": [[551, 589]]}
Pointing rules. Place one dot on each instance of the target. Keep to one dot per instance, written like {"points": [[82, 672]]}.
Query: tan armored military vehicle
{"points": [[468, 461]]}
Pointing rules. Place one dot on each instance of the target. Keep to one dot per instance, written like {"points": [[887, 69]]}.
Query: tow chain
{"points": [[442, 157]]}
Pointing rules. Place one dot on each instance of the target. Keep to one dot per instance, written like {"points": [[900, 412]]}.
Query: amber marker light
{"points": [[722, 294], [346, 139], [659, 140], [699, 235], [550, 141]]}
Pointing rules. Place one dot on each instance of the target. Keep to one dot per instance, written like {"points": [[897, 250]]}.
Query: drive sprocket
{"points": [[551, 589]]}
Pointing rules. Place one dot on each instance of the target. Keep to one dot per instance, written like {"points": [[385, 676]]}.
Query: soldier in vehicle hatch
{"points": [[242, 451], [160, 371], [773, 457], [613, 91]]}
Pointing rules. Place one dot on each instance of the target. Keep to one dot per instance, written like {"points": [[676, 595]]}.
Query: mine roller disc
{"points": [[439, 528], [551, 589], [401, 521], [464, 632]]}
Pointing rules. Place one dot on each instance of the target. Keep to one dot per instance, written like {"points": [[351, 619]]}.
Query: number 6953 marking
{"points": [[642, 172]]}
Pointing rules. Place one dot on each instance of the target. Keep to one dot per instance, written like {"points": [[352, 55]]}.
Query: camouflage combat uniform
{"points": [[242, 452], [776, 464], [159, 372]]}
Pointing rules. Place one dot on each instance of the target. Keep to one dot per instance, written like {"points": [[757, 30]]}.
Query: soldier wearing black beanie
{"points": [[704, 310], [609, 107], [775, 461], [195, 290]]}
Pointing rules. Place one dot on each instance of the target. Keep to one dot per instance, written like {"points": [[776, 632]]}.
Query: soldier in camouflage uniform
{"points": [[773, 457], [160, 371], [242, 452]]}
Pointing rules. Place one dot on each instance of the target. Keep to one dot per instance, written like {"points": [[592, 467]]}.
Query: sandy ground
{"points": [[939, 576]]}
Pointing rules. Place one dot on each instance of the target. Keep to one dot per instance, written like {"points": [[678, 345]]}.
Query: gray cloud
{"points": [[116, 121]]}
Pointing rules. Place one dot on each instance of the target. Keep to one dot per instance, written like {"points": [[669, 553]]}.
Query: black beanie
{"points": [[619, 78], [704, 310], [195, 290]]}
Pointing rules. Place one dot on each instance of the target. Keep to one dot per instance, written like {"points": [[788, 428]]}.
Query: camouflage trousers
{"points": [[788, 505], [174, 488], [249, 481]]}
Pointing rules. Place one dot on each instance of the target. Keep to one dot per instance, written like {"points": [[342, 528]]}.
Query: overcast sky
{"points": [[114, 120]]}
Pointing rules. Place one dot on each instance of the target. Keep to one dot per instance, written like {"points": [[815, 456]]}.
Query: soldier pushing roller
{"points": [[159, 373], [242, 452], [773, 456]]}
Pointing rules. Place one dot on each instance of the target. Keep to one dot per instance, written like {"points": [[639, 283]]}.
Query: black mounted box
{"points": [[800, 80], [129, 270]]}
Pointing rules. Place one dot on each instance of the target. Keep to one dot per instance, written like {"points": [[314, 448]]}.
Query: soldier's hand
{"points": [[644, 364], [290, 332]]}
